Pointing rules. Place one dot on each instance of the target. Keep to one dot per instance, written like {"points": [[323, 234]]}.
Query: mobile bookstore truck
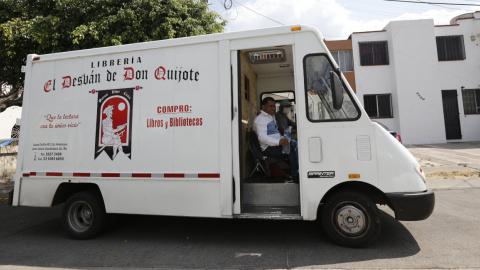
{"points": [[164, 128]]}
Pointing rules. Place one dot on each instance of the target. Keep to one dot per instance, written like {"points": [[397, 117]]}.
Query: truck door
{"points": [[334, 144]]}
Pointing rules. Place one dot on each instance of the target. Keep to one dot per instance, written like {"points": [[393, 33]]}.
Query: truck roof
{"points": [[179, 42]]}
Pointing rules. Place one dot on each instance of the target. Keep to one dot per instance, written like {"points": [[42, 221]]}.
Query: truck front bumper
{"points": [[412, 206]]}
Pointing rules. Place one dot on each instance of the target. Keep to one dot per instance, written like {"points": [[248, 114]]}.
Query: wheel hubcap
{"points": [[350, 220], [80, 216]]}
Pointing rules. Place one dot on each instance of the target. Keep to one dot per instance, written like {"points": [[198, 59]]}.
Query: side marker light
{"points": [[354, 176], [296, 28], [36, 58]]}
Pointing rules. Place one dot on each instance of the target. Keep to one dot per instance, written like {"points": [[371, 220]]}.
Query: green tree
{"points": [[50, 26]]}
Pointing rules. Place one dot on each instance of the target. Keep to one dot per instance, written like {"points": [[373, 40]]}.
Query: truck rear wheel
{"points": [[351, 219], [84, 216]]}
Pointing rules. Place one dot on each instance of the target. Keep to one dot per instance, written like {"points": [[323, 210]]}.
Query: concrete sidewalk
{"points": [[464, 156]]}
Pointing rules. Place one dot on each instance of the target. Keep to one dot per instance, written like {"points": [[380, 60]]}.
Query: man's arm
{"points": [[291, 123]]}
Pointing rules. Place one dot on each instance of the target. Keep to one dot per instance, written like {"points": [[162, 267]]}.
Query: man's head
{"points": [[108, 111], [268, 105], [284, 107]]}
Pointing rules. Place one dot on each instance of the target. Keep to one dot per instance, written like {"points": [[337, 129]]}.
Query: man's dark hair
{"points": [[266, 100]]}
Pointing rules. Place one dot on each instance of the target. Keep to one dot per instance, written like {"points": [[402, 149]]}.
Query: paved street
{"points": [[449, 238]]}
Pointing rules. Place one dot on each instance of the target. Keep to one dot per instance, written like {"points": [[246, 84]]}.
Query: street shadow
{"points": [[157, 241], [395, 241]]}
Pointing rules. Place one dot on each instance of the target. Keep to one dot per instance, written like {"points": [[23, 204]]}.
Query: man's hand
{"points": [[283, 142]]}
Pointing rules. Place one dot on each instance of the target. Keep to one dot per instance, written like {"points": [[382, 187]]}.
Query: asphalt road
{"points": [[450, 238]]}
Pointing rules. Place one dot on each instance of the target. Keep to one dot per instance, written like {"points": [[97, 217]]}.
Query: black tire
{"points": [[351, 219], [84, 216]]}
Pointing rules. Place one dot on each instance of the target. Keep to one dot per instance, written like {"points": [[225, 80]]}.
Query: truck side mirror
{"points": [[337, 90]]}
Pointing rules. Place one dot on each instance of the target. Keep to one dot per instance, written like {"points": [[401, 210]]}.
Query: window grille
{"points": [[450, 48], [373, 53], [471, 101], [378, 106]]}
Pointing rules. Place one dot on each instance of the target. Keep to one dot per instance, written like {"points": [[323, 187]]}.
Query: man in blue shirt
{"points": [[271, 141]]}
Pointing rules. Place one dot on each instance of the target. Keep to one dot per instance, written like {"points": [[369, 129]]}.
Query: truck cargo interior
{"points": [[265, 72]]}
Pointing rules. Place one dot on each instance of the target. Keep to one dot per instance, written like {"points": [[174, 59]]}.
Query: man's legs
{"points": [[117, 146], [293, 156]]}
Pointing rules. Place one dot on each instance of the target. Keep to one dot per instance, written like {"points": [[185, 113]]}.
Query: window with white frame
{"points": [[378, 106], [344, 60], [471, 101], [450, 48]]}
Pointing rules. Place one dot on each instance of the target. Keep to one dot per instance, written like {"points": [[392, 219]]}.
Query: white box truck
{"points": [[165, 128]]}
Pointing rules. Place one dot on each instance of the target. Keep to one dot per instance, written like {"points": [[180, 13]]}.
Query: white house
{"points": [[419, 79]]}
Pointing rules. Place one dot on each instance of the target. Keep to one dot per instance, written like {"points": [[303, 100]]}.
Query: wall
{"points": [[455, 74], [413, 70], [412, 47], [374, 79], [8, 163], [339, 45], [249, 111]]}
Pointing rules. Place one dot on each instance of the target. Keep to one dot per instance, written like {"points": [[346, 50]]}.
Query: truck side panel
{"points": [[144, 125]]}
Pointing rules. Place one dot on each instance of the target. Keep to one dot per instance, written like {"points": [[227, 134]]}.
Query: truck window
{"points": [[317, 69]]}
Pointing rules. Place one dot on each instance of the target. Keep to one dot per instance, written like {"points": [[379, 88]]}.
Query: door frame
{"points": [[237, 154]]}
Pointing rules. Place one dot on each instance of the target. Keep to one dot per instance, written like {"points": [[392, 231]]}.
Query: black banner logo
{"points": [[114, 122], [329, 174]]}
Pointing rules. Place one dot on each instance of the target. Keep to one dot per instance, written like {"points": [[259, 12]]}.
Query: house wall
{"points": [[466, 73], [414, 68], [374, 79]]}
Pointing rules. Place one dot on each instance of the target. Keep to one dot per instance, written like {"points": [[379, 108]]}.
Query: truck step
{"points": [[268, 216], [267, 194]]}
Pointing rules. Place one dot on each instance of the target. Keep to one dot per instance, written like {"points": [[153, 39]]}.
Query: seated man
{"points": [[270, 139], [282, 120]]}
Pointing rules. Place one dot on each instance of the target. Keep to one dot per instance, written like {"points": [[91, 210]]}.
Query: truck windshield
{"points": [[319, 93]]}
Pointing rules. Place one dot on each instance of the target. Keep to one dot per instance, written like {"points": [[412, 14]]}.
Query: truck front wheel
{"points": [[351, 219], [83, 215]]}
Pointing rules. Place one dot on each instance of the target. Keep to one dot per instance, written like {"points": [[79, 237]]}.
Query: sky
{"points": [[336, 19]]}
